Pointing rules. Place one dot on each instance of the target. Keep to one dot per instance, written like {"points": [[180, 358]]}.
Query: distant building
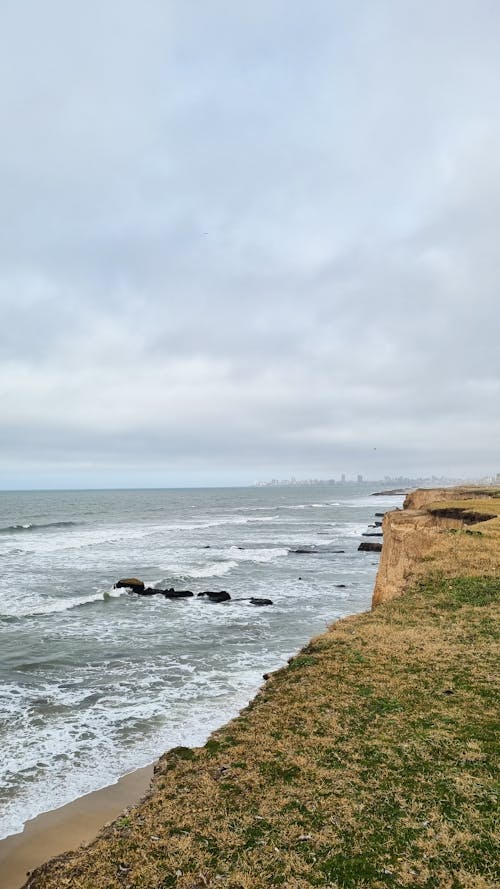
{"points": [[360, 479], [342, 477]]}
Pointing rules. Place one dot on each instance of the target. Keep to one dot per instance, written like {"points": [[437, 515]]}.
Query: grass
{"points": [[470, 549], [369, 761]]}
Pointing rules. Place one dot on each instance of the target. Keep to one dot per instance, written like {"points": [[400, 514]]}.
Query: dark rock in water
{"points": [[368, 547], [207, 546], [379, 515], [303, 550], [256, 601], [154, 591], [372, 534], [177, 594], [340, 586], [221, 596], [130, 583]]}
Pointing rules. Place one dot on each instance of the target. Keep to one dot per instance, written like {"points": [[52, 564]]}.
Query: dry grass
{"points": [[368, 762], [471, 548], [438, 531]]}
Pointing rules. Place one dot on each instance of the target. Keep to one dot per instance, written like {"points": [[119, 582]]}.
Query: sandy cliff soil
{"points": [[455, 530]]}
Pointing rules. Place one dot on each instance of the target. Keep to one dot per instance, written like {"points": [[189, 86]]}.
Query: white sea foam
{"points": [[338, 531], [330, 504], [221, 521], [213, 569], [389, 500], [32, 606], [83, 540], [54, 761], [28, 526]]}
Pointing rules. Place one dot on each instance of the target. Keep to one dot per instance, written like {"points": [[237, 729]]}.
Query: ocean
{"points": [[97, 681]]}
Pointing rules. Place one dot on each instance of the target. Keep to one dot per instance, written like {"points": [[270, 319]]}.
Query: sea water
{"points": [[96, 681]]}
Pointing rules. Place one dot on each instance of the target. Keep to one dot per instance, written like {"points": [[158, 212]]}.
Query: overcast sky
{"points": [[248, 239]]}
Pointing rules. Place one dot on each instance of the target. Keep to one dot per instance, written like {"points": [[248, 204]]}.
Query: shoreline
{"points": [[211, 789], [63, 829]]}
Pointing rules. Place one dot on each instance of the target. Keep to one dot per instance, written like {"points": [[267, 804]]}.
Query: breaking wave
{"points": [[31, 526], [41, 606], [214, 569]]}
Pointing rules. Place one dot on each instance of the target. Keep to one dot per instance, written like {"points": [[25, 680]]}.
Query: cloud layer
{"points": [[237, 242]]}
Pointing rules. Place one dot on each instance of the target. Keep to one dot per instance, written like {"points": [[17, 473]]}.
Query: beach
{"points": [[68, 827]]}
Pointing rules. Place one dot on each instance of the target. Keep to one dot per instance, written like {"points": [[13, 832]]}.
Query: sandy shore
{"points": [[67, 827]]}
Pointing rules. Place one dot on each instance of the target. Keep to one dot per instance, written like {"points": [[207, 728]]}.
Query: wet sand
{"points": [[66, 828]]}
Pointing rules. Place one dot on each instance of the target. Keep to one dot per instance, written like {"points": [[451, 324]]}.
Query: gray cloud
{"points": [[238, 241]]}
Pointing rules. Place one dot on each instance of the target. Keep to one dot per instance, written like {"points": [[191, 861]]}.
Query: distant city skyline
{"points": [[387, 480], [124, 483]]}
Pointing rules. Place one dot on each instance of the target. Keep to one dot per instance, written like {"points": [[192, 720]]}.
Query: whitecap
{"points": [[32, 607], [214, 569], [330, 504], [31, 526]]}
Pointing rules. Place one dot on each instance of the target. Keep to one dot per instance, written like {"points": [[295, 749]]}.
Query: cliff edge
{"points": [[455, 530]]}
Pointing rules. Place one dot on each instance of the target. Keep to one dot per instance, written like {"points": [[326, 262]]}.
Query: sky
{"points": [[240, 241]]}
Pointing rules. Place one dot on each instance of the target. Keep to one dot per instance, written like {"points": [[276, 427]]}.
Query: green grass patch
{"points": [[302, 661]]}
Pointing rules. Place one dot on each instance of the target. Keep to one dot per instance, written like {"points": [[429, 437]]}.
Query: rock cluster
{"points": [[137, 586]]}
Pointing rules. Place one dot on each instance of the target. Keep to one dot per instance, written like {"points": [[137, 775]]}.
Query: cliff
{"points": [[448, 529], [421, 497]]}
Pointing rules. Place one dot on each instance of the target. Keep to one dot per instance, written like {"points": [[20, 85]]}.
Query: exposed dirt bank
{"points": [[454, 529]]}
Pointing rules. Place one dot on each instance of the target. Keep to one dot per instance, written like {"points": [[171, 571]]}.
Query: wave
{"points": [[314, 549], [351, 529], [215, 569], [261, 556], [382, 500], [228, 559], [222, 520], [31, 526], [328, 505], [55, 606]]}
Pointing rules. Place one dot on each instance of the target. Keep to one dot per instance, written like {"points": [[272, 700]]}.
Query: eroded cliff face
{"points": [[418, 537], [408, 538], [422, 497]]}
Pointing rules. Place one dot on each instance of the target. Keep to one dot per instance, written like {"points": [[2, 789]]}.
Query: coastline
{"points": [[60, 830], [131, 651], [202, 801]]}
